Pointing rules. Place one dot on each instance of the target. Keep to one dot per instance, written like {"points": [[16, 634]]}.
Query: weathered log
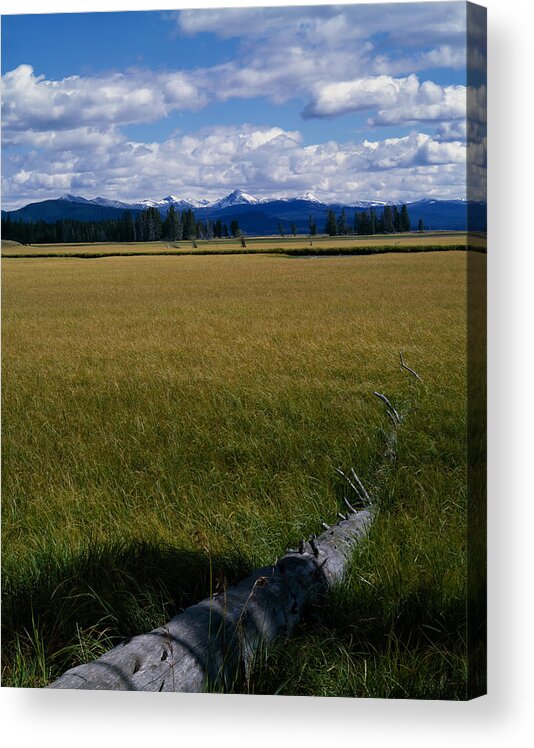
{"points": [[212, 645]]}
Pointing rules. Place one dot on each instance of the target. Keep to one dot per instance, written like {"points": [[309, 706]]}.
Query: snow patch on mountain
{"points": [[237, 197]]}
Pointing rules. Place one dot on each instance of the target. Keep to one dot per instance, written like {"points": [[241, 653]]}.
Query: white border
{"points": [[95, 719]]}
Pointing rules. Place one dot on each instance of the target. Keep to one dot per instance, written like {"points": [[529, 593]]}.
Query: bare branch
{"points": [[351, 484], [349, 505], [361, 487], [403, 365], [390, 406]]}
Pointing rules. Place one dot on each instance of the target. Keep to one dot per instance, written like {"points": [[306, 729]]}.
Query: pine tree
{"points": [[293, 229], [420, 226], [389, 227], [331, 223], [342, 225], [372, 221], [396, 219], [234, 227], [171, 225], [188, 224], [404, 221], [127, 231], [365, 225], [380, 224]]}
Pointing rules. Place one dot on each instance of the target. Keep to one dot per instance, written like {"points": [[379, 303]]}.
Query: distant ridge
{"points": [[256, 215]]}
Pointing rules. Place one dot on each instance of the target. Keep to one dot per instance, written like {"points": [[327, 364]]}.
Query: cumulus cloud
{"points": [[283, 52], [452, 130], [67, 134], [32, 102], [266, 161], [398, 100]]}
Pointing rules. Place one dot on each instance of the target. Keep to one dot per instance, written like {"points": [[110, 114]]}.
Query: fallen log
{"points": [[212, 645]]}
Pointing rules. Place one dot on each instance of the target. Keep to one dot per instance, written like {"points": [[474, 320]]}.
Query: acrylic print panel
{"points": [[244, 350]]}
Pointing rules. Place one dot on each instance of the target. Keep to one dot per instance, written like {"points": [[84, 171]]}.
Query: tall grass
{"points": [[171, 423], [295, 246]]}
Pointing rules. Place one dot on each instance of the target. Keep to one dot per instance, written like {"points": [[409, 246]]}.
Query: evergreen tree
{"points": [[234, 227], [127, 230], [280, 228], [172, 225], [380, 224], [188, 224], [313, 226], [420, 226], [331, 224], [218, 230], [372, 221], [389, 227], [342, 225], [405, 223], [365, 223], [396, 219], [293, 229]]}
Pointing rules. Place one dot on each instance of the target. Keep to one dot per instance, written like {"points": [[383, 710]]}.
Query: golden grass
{"points": [[115, 366], [257, 244], [203, 402]]}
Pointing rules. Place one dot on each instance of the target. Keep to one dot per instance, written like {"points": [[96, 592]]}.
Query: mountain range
{"points": [[255, 215]]}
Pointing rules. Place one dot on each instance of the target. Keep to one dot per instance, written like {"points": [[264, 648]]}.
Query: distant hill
{"points": [[255, 215], [56, 210]]}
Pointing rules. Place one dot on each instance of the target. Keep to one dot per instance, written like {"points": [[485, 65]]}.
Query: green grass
{"points": [[170, 423]]}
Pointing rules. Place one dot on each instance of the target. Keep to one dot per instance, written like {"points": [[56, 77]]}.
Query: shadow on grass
{"points": [[351, 645], [71, 609]]}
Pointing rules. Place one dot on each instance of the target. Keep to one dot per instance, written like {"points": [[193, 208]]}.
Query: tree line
{"points": [[146, 226], [150, 226], [390, 221]]}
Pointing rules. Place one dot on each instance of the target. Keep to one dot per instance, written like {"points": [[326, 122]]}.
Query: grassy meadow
{"points": [[298, 245], [170, 423]]}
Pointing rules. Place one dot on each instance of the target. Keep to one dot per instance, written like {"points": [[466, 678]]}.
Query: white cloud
{"points": [[265, 161], [398, 100], [65, 135], [285, 52], [333, 25], [456, 130], [444, 56], [31, 102]]}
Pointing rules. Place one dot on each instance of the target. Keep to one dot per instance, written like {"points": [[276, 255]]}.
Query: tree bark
{"points": [[212, 645]]}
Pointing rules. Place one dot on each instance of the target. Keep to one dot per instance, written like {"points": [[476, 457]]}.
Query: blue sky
{"points": [[349, 102]]}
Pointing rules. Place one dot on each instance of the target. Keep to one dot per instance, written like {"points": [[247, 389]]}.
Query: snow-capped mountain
{"points": [[308, 196], [237, 197], [255, 215], [165, 202], [74, 198]]}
